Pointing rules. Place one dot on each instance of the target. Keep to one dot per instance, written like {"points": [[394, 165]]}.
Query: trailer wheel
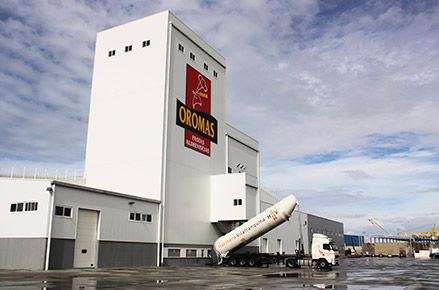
{"points": [[323, 264], [291, 263], [251, 262], [242, 262], [233, 262]]}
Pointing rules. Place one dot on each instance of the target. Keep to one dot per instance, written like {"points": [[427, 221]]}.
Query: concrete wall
{"points": [[23, 234], [123, 254], [22, 253], [24, 224], [126, 122], [188, 172]]}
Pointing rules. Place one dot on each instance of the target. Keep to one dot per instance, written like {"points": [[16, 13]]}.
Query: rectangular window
{"points": [[181, 47], [24, 206], [31, 206], [63, 211], [237, 202], [215, 74], [128, 48], [206, 67], [59, 210], [191, 253], [140, 217], [192, 56], [68, 211], [229, 169], [146, 43], [111, 53], [173, 252]]}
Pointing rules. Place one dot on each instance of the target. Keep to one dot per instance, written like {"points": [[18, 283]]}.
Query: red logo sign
{"points": [[198, 94]]}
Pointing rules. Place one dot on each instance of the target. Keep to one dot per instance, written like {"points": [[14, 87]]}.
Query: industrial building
{"points": [[165, 175]]}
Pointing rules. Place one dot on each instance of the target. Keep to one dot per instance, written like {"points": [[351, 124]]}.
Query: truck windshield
{"points": [[333, 246]]}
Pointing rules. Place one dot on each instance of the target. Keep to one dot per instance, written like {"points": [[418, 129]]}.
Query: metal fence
{"points": [[24, 172]]}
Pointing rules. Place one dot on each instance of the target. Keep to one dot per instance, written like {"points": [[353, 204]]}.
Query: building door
{"points": [[86, 239], [279, 246], [264, 245]]}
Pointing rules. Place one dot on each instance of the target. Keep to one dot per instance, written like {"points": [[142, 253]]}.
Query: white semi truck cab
{"points": [[324, 254]]}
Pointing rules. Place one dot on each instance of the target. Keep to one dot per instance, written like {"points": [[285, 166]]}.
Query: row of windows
{"points": [[193, 58], [140, 217], [63, 211], [189, 253], [129, 48], [24, 206], [326, 232], [237, 202]]}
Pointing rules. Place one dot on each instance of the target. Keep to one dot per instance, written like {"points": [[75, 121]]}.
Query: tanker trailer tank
{"points": [[255, 227]]}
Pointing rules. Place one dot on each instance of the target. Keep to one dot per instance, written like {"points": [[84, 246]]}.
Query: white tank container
{"points": [[255, 227]]}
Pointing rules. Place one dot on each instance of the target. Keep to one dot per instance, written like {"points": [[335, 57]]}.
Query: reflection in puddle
{"points": [[319, 275], [84, 283]]}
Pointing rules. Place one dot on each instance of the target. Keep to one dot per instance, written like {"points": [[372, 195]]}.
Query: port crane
{"points": [[431, 233], [372, 221]]}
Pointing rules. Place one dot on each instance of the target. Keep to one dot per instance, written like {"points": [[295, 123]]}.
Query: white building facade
{"points": [[165, 175]]}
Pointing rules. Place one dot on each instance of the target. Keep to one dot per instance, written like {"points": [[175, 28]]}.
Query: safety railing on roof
{"points": [[23, 172]]}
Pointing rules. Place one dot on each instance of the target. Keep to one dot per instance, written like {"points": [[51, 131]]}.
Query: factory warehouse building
{"points": [[165, 175]]}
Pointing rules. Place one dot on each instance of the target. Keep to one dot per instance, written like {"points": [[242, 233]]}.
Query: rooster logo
{"points": [[202, 87]]}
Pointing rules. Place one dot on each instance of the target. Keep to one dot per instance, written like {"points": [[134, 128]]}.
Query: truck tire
{"points": [[242, 262], [233, 262], [251, 262], [323, 264], [291, 263]]}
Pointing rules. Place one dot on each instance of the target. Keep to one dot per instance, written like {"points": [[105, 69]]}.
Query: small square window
{"points": [[206, 67], [13, 207], [111, 53], [138, 215], [20, 206], [59, 210], [148, 218], [215, 74], [192, 56], [128, 48], [132, 216], [191, 253], [181, 47], [229, 169], [146, 43], [173, 252], [68, 211]]}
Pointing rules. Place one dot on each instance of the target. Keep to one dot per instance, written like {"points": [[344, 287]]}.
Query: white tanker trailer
{"points": [[324, 251]]}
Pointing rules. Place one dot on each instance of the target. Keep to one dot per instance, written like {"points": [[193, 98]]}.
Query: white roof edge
{"points": [[183, 28], [241, 137]]}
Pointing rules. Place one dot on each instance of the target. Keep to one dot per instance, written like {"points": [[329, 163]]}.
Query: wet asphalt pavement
{"points": [[352, 274]]}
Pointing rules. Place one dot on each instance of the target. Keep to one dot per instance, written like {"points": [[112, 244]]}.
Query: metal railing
{"points": [[23, 172]]}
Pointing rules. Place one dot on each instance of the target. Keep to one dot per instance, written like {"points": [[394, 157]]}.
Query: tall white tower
{"points": [[146, 74]]}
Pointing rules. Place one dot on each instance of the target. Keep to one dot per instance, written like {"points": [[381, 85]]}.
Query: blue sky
{"points": [[342, 95]]}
